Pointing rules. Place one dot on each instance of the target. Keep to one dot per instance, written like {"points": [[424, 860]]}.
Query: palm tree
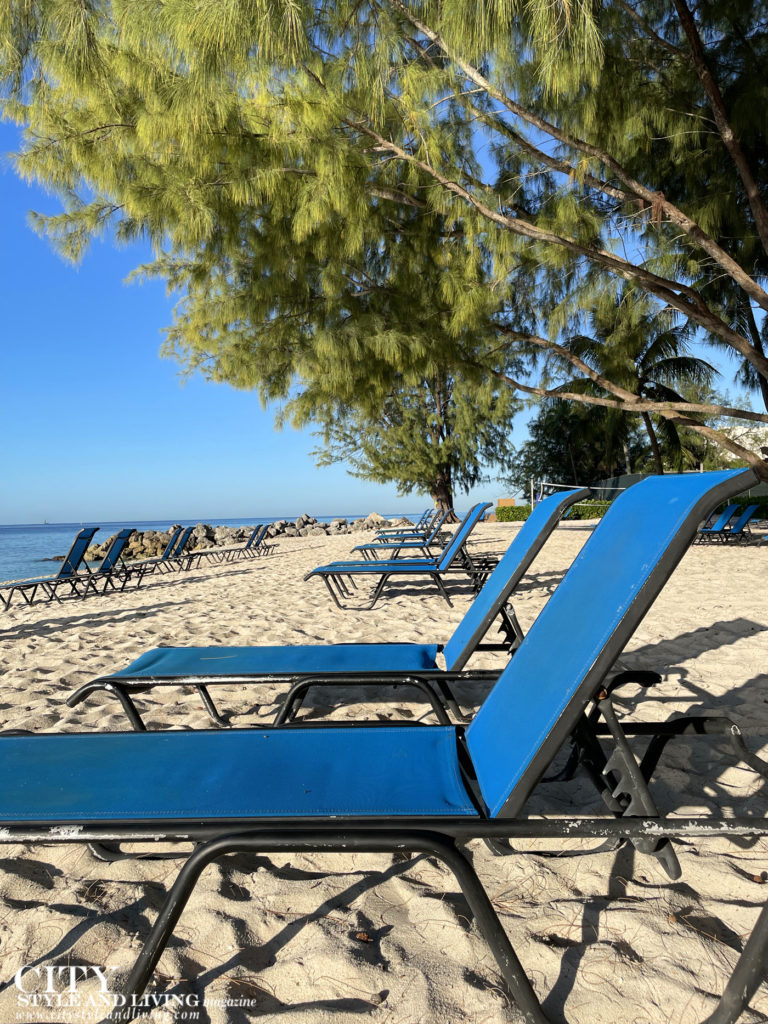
{"points": [[644, 351]]}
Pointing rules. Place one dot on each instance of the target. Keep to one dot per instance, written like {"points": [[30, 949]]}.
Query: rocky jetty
{"points": [[152, 543]]}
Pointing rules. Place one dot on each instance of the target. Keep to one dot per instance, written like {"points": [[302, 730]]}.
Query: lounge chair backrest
{"points": [[583, 628], [528, 541], [722, 519], [262, 532], [436, 525], [183, 540], [255, 538], [739, 524], [76, 554], [452, 548], [115, 549], [171, 544]]}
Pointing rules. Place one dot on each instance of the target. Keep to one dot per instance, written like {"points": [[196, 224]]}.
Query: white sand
{"points": [[339, 938]]}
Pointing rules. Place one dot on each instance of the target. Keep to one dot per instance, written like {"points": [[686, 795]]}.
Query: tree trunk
{"points": [[442, 495], [654, 442], [627, 460], [757, 341]]}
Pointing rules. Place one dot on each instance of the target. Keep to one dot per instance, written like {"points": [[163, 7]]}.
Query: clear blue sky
{"points": [[99, 427]]}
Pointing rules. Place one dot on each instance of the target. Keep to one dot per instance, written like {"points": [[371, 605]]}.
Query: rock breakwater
{"points": [[152, 543]]}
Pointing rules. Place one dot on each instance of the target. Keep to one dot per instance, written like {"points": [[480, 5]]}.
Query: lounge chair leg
{"points": [[747, 975], [492, 931], [441, 587], [129, 707], [439, 846], [331, 591], [210, 707], [449, 700]]}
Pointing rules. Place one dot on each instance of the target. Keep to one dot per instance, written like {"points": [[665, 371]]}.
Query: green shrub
{"points": [[589, 509], [594, 509], [512, 513], [584, 510]]}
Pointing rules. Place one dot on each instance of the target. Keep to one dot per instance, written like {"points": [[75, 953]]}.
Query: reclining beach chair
{"points": [[150, 565], [301, 664], [67, 575], [739, 528], [262, 544], [230, 554], [419, 789], [408, 543], [179, 558], [335, 574], [715, 530], [421, 524], [112, 568]]}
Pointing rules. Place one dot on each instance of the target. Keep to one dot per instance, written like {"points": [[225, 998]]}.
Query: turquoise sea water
{"points": [[25, 548]]}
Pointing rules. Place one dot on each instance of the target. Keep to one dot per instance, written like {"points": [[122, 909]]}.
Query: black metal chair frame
{"points": [[436, 685], [477, 569], [621, 780], [421, 541], [50, 585], [148, 566]]}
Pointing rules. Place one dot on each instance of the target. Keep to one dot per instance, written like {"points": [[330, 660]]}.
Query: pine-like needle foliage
{"points": [[278, 153]]}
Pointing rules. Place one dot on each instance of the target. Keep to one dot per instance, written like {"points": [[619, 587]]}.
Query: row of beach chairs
{"points": [[340, 577], [75, 578], [416, 788], [731, 525]]}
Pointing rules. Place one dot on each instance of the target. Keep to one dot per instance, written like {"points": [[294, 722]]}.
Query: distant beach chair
{"points": [[716, 530], [112, 569], [424, 524], [408, 542], [739, 528], [147, 566], [335, 574], [256, 545], [49, 585], [421, 789], [228, 554], [301, 664], [179, 557]]}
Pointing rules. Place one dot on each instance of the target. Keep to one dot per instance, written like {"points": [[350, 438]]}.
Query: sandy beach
{"points": [[319, 938]]}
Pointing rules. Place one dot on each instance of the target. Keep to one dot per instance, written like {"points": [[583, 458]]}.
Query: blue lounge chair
{"points": [[178, 558], [252, 546], [423, 789], [335, 574], [202, 667], [407, 543], [147, 566], [112, 568], [739, 528], [715, 530], [67, 576], [420, 527]]}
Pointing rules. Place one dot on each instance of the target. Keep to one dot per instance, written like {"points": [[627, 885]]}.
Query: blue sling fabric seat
{"points": [[333, 575], [202, 666], [417, 789], [311, 772], [68, 575]]}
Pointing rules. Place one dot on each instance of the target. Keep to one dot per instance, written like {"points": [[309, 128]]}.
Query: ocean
{"points": [[25, 550]]}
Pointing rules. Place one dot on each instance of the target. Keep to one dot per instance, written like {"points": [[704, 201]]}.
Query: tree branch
{"points": [[720, 115], [656, 199]]}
